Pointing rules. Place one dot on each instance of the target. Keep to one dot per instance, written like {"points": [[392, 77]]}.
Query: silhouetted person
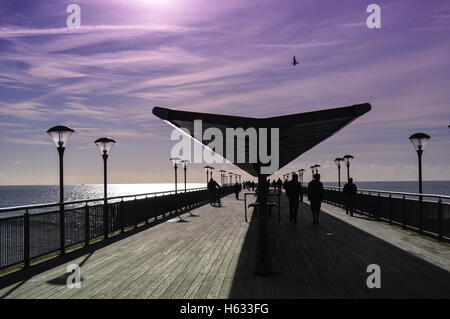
{"points": [[237, 189], [350, 192], [213, 188], [294, 61], [279, 185], [293, 192], [315, 196], [253, 185]]}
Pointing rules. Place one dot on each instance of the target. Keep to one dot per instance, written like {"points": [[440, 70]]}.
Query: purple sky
{"points": [[231, 57]]}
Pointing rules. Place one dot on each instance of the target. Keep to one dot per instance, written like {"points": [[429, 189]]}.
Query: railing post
{"points": [[440, 219], [122, 217], [404, 211], [105, 220], [245, 207], [62, 231], [26, 239], [390, 209], [87, 226], [279, 207], [136, 213], [420, 215], [146, 210], [379, 206]]}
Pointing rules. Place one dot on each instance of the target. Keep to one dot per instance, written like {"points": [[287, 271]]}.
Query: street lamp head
{"points": [[185, 163], [312, 167], [60, 135], [207, 168], [338, 161], [348, 159], [175, 161], [105, 145], [419, 140]]}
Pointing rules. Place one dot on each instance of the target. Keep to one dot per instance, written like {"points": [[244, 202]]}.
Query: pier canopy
{"points": [[298, 133]]}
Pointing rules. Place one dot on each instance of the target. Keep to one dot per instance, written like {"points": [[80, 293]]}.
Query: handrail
{"points": [[88, 223], [391, 192], [85, 201]]}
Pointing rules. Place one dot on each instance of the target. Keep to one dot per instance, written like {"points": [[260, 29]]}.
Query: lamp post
{"points": [[347, 160], [419, 140], [175, 162], [211, 171], [317, 166], [231, 178], [105, 145], [61, 135], [312, 170], [222, 172], [207, 173], [338, 161], [300, 174], [185, 165]]}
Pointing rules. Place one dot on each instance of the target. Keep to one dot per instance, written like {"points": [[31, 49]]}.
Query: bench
{"points": [[269, 204]]}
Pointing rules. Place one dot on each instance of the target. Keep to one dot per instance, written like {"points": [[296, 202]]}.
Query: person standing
{"points": [[315, 196], [350, 190], [293, 192]]}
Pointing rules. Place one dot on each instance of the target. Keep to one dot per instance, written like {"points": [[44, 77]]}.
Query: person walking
{"points": [[315, 196], [279, 185], [350, 190], [293, 192], [237, 189]]}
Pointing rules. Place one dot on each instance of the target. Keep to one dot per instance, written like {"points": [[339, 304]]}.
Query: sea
{"points": [[11, 196]]}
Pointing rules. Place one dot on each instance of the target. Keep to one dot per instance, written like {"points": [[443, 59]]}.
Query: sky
{"points": [[229, 57]]}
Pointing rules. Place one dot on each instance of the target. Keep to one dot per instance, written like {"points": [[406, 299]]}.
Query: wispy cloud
{"points": [[26, 141], [21, 32]]}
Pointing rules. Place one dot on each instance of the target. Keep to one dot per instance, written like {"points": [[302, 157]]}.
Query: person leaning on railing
{"points": [[350, 190]]}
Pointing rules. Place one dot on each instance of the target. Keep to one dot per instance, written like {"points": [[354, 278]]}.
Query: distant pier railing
{"points": [[33, 231], [425, 213]]}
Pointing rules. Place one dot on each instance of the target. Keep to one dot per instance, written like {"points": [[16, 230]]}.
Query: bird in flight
{"points": [[294, 62]]}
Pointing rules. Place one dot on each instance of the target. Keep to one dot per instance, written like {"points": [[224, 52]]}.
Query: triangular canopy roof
{"points": [[297, 132]]}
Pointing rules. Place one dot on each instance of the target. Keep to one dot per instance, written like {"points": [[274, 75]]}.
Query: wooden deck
{"points": [[211, 255]]}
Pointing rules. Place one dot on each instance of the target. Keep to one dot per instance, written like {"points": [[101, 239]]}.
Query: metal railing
{"points": [[425, 213], [35, 230]]}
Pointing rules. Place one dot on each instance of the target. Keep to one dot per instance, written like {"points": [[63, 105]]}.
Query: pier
{"points": [[210, 252]]}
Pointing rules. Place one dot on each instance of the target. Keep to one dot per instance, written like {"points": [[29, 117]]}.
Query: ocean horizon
{"points": [[19, 195]]}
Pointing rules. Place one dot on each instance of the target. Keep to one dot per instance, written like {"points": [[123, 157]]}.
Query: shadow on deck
{"points": [[330, 261]]}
